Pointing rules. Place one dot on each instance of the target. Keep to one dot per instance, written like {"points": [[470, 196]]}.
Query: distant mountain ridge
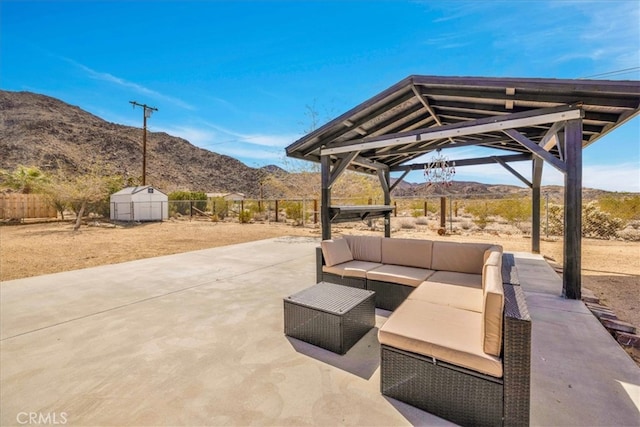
{"points": [[37, 130]]}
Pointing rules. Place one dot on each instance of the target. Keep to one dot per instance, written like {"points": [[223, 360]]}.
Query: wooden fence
{"points": [[21, 206]]}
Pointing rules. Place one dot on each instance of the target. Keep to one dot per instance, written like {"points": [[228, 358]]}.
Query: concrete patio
{"points": [[197, 339]]}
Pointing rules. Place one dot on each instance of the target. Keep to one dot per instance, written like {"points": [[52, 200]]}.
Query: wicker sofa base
{"points": [[389, 295], [354, 282], [450, 392]]}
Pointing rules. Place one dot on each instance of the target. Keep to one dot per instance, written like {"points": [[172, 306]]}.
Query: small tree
{"points": [[78, 191], [25, 179]]}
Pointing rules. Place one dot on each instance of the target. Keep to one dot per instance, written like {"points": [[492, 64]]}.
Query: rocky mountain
{"points": [[37, 130]]}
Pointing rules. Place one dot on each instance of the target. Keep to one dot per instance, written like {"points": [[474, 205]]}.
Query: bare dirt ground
{"points": [[611, 269]]}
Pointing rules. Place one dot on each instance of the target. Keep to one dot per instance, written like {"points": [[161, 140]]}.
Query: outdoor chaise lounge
{"points": [[458, 342]]}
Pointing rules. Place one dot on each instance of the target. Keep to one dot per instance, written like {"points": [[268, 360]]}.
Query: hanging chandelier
{"points": [[439, 171]]}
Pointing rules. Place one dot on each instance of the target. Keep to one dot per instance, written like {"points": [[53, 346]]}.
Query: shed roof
{"points": [[423, 113], [135, 190]]}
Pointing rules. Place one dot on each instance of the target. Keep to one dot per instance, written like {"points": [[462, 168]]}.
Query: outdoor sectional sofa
{"points": [[458, 341]]}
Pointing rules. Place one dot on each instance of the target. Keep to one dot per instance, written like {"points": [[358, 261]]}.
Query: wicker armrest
{"points": [[516, 357], [319, 264]]}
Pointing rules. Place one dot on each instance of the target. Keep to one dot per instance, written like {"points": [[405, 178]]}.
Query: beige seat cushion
{"points": [[335, 252], [407, 252], [365, 248], [454, 278], [459, 257], [351, 268], [459, 296], [442, 332], [409, 276], [493, 309]]}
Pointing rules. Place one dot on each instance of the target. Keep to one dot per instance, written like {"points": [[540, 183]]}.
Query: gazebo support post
{"points": [[385, 180], [325, 166], [535, 204], [571, 279]]}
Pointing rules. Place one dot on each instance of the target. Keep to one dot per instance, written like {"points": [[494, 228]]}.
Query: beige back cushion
{"points": [[460, 257], [493, 257], [493, 311], [335, 252], [407, 252], [365, 248]]}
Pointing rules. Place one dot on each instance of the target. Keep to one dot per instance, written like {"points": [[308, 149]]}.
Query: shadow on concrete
{"points": [[361, 360]]}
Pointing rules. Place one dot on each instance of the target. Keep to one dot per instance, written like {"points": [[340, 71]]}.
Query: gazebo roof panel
{"points": [[427, 102]]}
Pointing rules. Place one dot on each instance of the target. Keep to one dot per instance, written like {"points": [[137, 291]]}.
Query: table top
{"points": [[329, 297]]}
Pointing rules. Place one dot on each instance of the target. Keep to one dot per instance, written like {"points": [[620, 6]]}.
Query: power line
{"points": [[613, 73], [146, 113]]}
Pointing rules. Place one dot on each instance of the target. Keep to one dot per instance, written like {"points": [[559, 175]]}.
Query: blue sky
{"points": [[239, 78]]}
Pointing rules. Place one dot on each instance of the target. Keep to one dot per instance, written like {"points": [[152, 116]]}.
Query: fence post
{"points": [[277, 210], [425, 208], [395, 208], [450, 215], [443, 212], [315, 211], [546, 196]]}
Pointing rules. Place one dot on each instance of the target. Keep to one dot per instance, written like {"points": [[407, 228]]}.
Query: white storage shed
{"points": [[144, 203]]}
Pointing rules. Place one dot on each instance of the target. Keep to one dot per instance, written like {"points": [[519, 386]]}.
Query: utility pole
{"points": [[147, 111]]}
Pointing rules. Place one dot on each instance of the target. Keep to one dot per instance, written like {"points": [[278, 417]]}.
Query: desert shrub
{"points": [[630, 233], [595, 222], [408, 223], [627, 208], [514, 211], [466, 225], [245, 216], [184, 201], [599, 224], [422, 220], [555, 219], [480, 211], [294, 211], [219, 208]]}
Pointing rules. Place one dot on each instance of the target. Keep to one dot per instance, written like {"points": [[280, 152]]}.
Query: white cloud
{"points": [[196, 136], [109, 78], [619, 177], [248, 155], [263, 139]]}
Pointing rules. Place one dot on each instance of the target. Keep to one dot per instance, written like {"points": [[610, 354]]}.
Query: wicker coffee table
{"points": [[330, 316]]}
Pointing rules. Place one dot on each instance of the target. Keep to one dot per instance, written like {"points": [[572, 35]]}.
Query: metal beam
{"points": [[385, 176], [325, 166], [536, 174], [468, 162], [384, 183], [571, 277], [489, 124], [535, 149], [513, 171], [399, 180], [551, 137], [340, 167]]}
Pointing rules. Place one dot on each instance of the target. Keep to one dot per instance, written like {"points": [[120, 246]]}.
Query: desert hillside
{"points": [[37, 130]]}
